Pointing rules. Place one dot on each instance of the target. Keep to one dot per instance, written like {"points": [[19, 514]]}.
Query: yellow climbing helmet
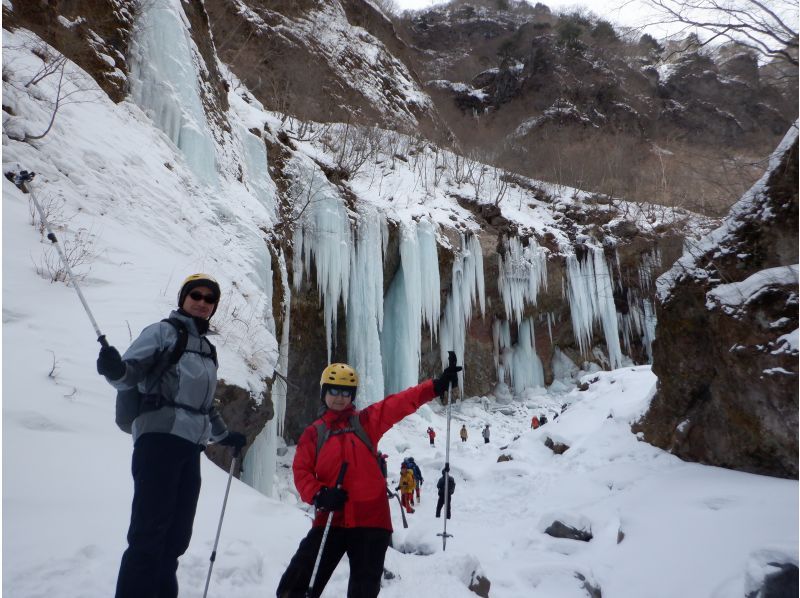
{"points": [[199, 280], [339, 374]]}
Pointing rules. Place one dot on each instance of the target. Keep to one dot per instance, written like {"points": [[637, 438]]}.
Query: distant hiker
{"points": [[361, 524], [412, 465], [406, 487], [431, 434], [534, 422], [451, 487], [176, 423], [485, 434], [543, 420], [463, 433]]}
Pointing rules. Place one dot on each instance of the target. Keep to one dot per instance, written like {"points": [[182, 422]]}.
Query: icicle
{"points": [[528, 371], [649, 328], [522, 274], [260, 464], [365, 306], [591, 300], [413, 298], [430, 286], [649, 265], [324, 235], [467, 291], [505, 370]]}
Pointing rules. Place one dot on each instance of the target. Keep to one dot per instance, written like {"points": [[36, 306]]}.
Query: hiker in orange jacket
{"points": [[361, 525]]}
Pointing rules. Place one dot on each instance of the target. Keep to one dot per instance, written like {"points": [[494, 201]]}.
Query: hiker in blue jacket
{"points": [[168, 435], [412, 465]]}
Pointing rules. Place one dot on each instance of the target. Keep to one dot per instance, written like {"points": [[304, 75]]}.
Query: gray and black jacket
{"points": [[191, 382]]}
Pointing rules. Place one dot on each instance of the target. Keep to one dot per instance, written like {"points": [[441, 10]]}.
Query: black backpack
{"points": [[131, 403]]}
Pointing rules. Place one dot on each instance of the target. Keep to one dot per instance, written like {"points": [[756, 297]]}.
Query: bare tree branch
{"points": [[751, 23]]}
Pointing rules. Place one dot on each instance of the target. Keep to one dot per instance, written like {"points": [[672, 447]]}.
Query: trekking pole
{"points": [[221, 515], [339, 481], [451, 362], [21, 179]]}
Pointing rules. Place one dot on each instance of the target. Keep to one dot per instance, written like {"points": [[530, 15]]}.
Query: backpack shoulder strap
{"points": [[183, 338], [323, 432], [359, 431]]}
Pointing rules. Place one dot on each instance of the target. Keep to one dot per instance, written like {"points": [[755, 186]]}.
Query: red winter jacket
{"points": [[367, 504]]}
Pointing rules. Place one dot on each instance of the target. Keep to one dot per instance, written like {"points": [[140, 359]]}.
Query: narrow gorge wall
{"points": [[726, 348]]}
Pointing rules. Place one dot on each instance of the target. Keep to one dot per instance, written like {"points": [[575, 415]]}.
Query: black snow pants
{"points": [[166, 485], [440, 504], [366, 551]]}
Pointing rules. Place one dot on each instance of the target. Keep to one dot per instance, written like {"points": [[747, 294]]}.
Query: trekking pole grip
{"points": [[451, 359], [102, 340]]}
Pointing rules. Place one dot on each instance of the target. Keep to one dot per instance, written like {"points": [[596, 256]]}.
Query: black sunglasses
{"points": [[345, 392], [198, 296]]}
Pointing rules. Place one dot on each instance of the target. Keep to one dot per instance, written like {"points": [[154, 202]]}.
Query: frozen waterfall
{"points": [[412, 299], [467, 292], [365, 305], [165, 65], [324, 234]]}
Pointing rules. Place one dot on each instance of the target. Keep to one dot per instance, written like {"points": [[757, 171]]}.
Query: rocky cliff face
{"points": [[726, 344], [537, 91], [319, 60], [94, 34]]}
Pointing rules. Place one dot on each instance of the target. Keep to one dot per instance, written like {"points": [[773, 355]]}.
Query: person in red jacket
{"points": [[431, 434], [361, 526]]}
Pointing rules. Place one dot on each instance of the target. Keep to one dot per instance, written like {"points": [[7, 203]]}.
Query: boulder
{"points": [[726, 341], [480, 585], [557, 447], [558, 529]]}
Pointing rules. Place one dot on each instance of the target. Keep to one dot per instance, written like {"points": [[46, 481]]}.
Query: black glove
{"points": [[110, 364], [234, 439], [330, 499], [449, 377]]}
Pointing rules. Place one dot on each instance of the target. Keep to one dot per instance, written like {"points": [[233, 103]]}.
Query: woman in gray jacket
{"points": [[169, 434]]}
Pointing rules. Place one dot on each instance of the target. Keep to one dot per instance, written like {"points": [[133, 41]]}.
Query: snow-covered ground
{"points": [[689, 530]]}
